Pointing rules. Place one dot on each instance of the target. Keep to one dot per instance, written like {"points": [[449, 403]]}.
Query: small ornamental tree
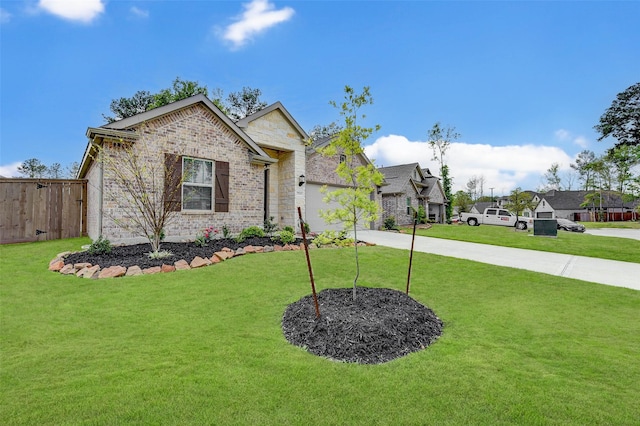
{"points": [[356, 205], [519, 201], [439, 140], [145, 184]]}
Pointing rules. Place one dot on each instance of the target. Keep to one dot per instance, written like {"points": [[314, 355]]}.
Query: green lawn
{"points": [[613, 248], [205, 346]]}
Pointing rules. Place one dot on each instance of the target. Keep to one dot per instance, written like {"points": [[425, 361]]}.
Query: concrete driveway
{"points": [[609, 272]]}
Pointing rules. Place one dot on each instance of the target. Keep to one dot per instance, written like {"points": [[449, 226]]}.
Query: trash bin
{"points": [[545, 227]]}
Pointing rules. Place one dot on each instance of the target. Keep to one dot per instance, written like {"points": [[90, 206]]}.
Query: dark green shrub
{"points": [[286, 237], [100, 246], [390, 224], [269, 227], [250, 232]]}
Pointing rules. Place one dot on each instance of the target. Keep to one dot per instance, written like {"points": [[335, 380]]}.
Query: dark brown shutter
{"points": [[222, 186], [172, 182]]}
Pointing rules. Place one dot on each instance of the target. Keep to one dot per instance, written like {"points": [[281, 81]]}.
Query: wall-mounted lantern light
{"points": [[301, 180]]}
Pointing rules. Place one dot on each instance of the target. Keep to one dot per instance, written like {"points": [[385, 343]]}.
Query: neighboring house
{"points": [[571, 205], [321, 172], [249, 171], [408, 187]]}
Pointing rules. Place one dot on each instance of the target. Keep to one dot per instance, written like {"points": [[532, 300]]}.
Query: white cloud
{"points": [[74, 10], [4, 16], [503, 167], [10, 170], [563, 135], [259, 15], [139, 13]]}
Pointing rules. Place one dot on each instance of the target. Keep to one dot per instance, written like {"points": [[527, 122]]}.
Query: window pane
{"points": [[198, 171], [196, 198]]}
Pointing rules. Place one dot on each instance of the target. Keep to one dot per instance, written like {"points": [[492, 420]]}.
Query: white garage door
{"points": [[314, 204]]}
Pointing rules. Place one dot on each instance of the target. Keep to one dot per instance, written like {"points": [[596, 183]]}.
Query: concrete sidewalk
{"points": [[609, 272]]}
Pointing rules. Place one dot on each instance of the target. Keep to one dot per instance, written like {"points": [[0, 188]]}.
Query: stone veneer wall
{"points": [[93, 201], [194, 132], [274, 133]]}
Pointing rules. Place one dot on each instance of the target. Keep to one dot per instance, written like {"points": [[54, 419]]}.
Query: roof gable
{"points": [[273, 107], [159, 112]]}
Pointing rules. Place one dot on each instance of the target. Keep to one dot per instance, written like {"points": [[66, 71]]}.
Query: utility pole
{"points": [[491, 196]]}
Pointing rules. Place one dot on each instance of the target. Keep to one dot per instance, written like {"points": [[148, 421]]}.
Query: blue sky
{"points": [[522, 82]]}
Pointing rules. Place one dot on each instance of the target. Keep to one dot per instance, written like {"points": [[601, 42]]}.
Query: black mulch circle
{"points": [[379, 326]]}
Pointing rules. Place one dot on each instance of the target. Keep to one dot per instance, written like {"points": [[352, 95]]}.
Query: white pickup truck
{"points": [[496, 216]]}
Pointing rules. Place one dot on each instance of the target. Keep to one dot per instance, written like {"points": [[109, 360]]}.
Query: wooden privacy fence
{"points": [[42, 209]]}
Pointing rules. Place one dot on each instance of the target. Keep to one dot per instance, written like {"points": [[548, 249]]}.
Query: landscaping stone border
{"points": [[87, 270]]}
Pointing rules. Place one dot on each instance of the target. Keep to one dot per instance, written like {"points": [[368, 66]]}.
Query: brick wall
{"points": [[194, 132]]}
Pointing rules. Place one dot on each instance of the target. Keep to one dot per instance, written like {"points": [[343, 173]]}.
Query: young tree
{"points": [[71, 171], [356, 205], [244, 103], [462, 201], [622, 119], [32, 168], [552, 177], [439, 140], [146, 183], [54, 171], [581, 166], [519, 201]]}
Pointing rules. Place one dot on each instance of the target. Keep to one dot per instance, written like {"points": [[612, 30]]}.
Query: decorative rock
{"points": [[240, 252], [302, 246], [181, 265], [133, 271], [63, 254], [56, 265], [88, 272], [68, 269], [278, 247], [249, 249], [259, 249], [268, 249], [112, 272], [80, 266], [199, 262], [223, 255], [215, 259], [167, 268], [152, 270]]}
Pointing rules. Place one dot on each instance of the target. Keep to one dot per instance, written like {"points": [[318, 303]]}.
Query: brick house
{"points": [[245, 172], [320, 172], [408, 187]]}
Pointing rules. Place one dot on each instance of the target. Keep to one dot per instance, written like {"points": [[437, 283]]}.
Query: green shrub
{"points": [[390, 224], [226, 233], [100, 246], [422, 215], [250, 232], [339, 239], [285, 236], [289, 229], [162, 254]]}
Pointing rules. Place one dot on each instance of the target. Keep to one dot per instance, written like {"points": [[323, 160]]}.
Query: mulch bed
{"points": [[379, 326], [137, 254]]}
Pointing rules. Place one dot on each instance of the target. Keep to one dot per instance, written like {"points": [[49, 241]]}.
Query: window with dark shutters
{"points": [[222, 186], [172, 182]]}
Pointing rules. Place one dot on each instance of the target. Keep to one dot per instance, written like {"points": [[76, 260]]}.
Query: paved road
{"points": [[609, 272]]}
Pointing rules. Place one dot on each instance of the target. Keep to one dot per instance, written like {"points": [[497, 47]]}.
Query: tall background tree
{"points": [[622, 119], [32, 168], [354, 200], [439, 140], [237, 104]]}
